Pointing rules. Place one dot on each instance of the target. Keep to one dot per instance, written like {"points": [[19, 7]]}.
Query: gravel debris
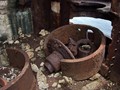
{"points": [[25, 46], [95, 85], [28, 35], [43, 32], [96, 76], [38, 49], [30, 54], [41, 42], [42, 81], [54, 84], [42, 64], [10, 42], [61, 81], [34, 67], [20, 33], [10, 73], [68, 79], [33, 59], [41, 54], [57, 75], [58, 86], [51, 75], [16, 42]]}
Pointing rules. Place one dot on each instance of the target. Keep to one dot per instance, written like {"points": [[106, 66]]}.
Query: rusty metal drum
{"points": [[25, 80], [85, 67]]}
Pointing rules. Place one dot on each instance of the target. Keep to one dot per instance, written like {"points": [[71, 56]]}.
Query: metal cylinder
{"points": [[25, 80]]}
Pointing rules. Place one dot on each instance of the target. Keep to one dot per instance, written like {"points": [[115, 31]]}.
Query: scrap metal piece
{"points": [[60, 51], [53, 62], [19, 59], [57, 45], [81, 68]]}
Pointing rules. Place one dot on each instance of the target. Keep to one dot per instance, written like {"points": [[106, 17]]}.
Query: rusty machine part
{"points": [[25, 80], [60, 51], [111, 66], [80, 68]]}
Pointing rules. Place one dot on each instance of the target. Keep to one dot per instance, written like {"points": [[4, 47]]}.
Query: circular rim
{"points": [[26, 65], [101, 47]]}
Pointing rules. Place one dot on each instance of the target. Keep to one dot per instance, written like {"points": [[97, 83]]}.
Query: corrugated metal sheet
{"points": [[21, 19]]}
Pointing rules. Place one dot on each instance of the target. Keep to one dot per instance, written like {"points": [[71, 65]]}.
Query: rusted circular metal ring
{"points": [[81, 68], [20, 60]]}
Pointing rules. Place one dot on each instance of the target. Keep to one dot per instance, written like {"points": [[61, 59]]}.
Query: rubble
{"points": [[30, 54], [16, 42], [54, 84], [33, 59], [96, 76], [51, 75], [10, 42], [42, 81], [26, 47], [68, 79], [42, 64], [37, 49], [28, 35], [58, 86], [20, 33], [41, 54], [11, 74], [41, 44], [95, 85], [57, 74], [34, 67], [43, 32], [61, 81], [42, 69]]}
